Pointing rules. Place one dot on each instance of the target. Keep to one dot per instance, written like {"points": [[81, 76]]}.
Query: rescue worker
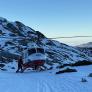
{"points": [[20, 63]]}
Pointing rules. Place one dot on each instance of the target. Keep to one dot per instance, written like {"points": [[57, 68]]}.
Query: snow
{"points": [[87, 45], [46, 81], [4, 30]]}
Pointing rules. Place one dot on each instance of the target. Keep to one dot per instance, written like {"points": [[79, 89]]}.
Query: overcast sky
{"points": [[54, 18]]}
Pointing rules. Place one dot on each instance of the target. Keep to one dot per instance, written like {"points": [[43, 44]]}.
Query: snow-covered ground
{"points": [[46, 81]]}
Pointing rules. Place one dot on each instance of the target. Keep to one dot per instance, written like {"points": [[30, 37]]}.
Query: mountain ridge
{"points": [[86, 48], [56, 52], [87, 45]]}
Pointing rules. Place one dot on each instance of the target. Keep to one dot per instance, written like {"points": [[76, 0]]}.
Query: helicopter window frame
{"points": [[36, 50]]}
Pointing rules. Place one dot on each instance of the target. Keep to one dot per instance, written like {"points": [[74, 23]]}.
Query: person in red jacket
{"points": [[20, 63]]}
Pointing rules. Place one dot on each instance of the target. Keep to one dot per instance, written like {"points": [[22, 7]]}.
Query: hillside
{"points": [[15, 38], [86, 45], [86, 48]]}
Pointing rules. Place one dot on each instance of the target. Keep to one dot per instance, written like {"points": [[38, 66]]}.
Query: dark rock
{"points": [[90, 75], [12, 67], [4, 69], [2, 65], [84, 80], [40, 35], [82, 63], [67, 70]]}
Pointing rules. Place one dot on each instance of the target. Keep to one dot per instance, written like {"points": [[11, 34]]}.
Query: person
{"points": [[0, 48], [20, 63]]}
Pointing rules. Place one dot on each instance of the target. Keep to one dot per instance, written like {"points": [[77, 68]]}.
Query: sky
{"points": [[54, 18]]}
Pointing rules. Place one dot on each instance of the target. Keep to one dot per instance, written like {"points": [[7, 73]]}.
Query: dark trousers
{"points": [[19, 68]]}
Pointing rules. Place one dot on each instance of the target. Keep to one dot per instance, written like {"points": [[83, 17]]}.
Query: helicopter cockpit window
{"points": [[32, 51], [35, 50], [40, 50]]}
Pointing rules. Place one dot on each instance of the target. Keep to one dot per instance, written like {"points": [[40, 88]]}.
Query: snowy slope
{"points": [[87, 45], [46, 81], [86, 48], [87, 51], [16, 37]]}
